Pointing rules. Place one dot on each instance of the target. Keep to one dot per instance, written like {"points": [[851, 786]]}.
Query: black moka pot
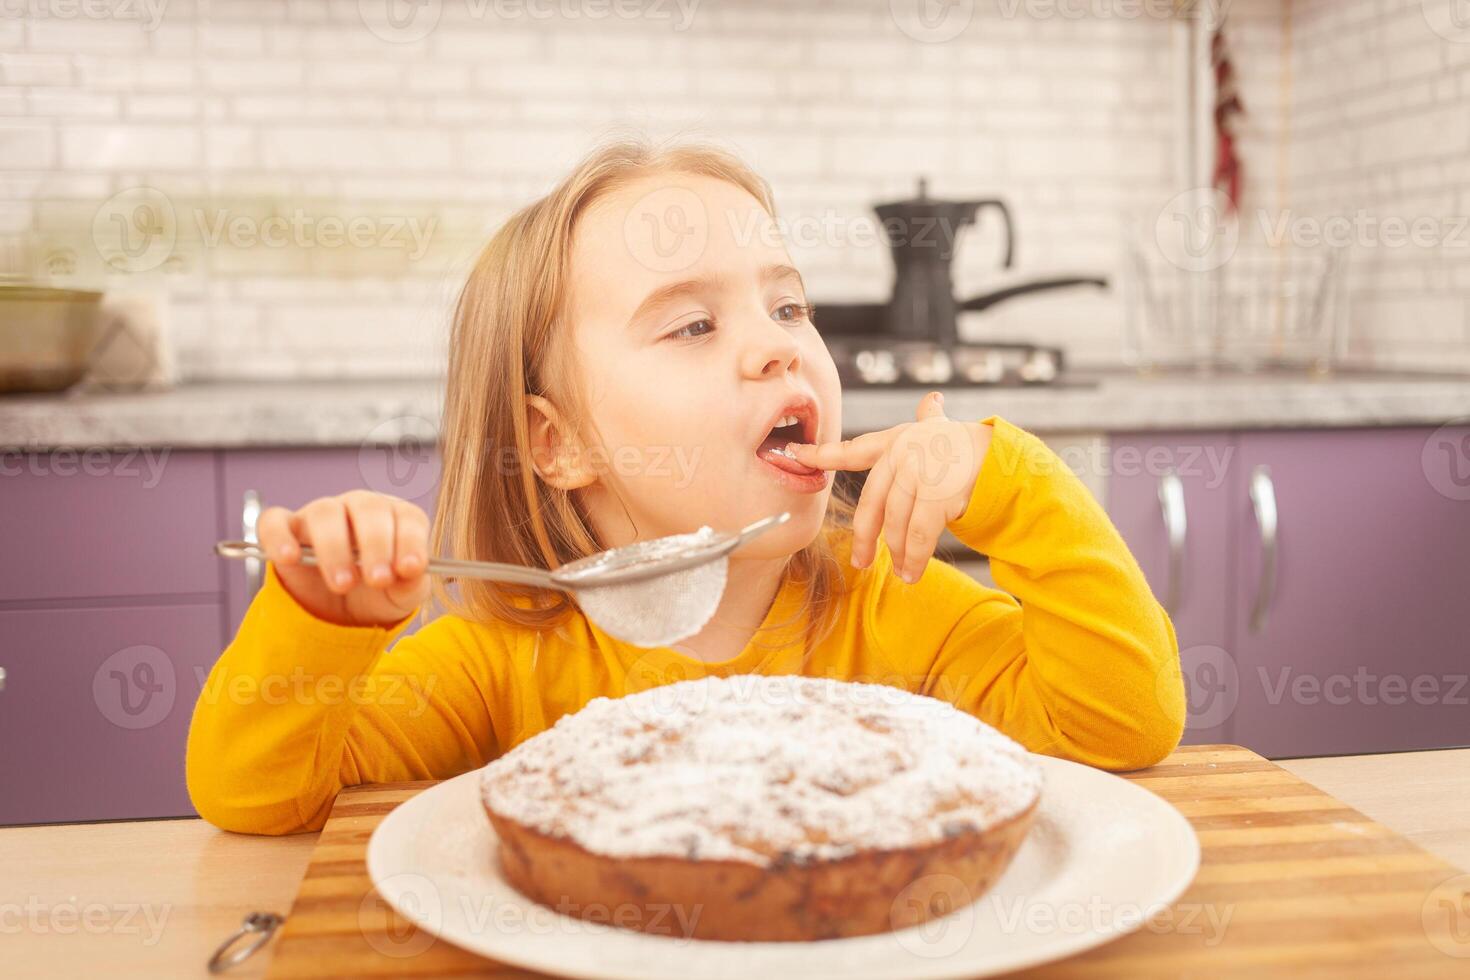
{"points": [[922, 233]]}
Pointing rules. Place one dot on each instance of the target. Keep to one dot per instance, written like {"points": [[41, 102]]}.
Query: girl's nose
{"points": [[770, 350]]}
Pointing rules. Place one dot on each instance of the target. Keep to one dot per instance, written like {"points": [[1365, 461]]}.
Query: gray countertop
{"points": [[350, 413]]}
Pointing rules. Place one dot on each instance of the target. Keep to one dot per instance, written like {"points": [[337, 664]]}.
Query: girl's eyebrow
{"points": [[775, 273], [685, 287], [672, 291]]}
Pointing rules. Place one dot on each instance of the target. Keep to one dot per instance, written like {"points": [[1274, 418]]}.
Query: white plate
{"points": [[1103, 855]]}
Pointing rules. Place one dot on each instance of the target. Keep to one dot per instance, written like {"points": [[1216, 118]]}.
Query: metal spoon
{"points": [[649, 593]]}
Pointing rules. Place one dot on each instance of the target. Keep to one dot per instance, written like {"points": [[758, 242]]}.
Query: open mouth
{"points": [[797, 422]]}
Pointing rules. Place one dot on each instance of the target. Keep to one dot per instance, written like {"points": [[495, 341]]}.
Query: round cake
{"points": [[761, 808]]}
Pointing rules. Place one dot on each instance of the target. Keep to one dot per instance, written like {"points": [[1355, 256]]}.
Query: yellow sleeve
{"points": [[1085, 665], [297, 708]]}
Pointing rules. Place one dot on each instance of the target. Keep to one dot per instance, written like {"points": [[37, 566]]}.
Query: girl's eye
{"points": [[792, 311], [688, 330]]}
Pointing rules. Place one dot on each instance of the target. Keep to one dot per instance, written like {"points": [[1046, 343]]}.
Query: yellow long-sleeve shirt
{"points": [[1084, 666]]}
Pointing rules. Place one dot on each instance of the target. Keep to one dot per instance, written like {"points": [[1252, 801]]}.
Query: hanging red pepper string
{"points": [[1227, 105]]}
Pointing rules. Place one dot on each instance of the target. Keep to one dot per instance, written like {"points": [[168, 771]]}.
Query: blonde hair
{"points": [[492, 505]]}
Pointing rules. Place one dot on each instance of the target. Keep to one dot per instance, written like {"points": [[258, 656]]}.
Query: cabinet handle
{"points": [[1263, 500], [1176, 525], [249, 518]]}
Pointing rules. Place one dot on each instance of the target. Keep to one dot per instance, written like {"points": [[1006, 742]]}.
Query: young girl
{"points": [[630, 357]]}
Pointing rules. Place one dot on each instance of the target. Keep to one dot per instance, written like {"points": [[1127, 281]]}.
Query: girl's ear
{"points": [[556, 453]]}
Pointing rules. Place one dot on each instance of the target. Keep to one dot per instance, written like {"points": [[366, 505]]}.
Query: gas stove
{"points": [[866, 357], [912, 340], [873, 363]]}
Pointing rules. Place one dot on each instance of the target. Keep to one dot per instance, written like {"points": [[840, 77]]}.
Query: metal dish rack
{"points": [[1259, 308]]}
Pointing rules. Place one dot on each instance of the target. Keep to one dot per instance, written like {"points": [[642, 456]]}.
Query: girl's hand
{"points": [[922, 476], [392, 539]]}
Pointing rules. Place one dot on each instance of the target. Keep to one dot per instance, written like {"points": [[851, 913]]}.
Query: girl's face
{"points": [[692, 341]]}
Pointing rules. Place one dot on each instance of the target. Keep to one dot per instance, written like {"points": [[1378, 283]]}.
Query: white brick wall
{"points": [[1380, 122], [266, 107]]}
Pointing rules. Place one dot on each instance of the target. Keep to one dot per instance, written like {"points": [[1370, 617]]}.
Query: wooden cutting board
{"points": [[1291, 881]]}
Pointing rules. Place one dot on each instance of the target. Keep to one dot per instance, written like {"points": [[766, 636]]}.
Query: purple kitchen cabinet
{"points": [[113, 607], [255, 479], [85, 523], [95, 709], [1168, 496], [1360, 641]]}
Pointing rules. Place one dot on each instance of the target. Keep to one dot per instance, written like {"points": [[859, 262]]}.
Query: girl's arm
{"points": [[1085, 665], [297, 708]]}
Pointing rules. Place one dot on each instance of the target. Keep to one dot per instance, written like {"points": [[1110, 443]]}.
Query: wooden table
{"points": [[152, 898], [169, 891]]}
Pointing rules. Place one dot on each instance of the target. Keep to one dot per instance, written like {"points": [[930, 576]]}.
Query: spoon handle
{"points": [[762, 526], [490, 571]]}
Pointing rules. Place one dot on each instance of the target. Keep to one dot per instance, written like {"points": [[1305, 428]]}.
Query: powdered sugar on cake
{"points": [[765, 770]]}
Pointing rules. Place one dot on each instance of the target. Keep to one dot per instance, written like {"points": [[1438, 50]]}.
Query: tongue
{"points": [[771, 450]]}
